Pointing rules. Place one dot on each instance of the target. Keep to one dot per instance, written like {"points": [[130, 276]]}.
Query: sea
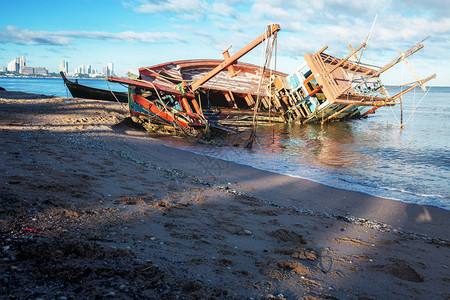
{"points": [[374, 155]]}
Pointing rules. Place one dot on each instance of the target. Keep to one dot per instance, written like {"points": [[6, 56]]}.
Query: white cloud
{"points": [[128, 36], [187, 9], [223, 9], [16, 35]]}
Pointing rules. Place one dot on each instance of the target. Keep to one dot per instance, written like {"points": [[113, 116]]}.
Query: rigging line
{"points": [[367, 39], [172, 111], [415, 107], [115, 96], [271, 95], [385, 118], [268, 56], [165, 108]]}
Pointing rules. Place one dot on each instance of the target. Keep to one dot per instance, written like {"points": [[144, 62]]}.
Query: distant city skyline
{"points": [[140, 33], [18, 66]]}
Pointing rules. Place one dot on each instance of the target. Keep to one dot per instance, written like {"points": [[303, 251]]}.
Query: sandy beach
{"points": [[94, 207]]}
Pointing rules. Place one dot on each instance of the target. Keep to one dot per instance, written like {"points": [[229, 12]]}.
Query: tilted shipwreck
{"points": [[199, 97]]}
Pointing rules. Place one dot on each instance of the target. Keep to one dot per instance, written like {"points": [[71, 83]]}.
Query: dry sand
{"points": [[92, 207]]}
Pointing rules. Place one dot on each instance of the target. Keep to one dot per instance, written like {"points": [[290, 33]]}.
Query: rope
{"points": [[115, 96], [268, 57], [174, 112], [415, 107]]}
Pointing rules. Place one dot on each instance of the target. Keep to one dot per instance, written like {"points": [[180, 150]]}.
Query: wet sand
{"points": [[94, 207]]}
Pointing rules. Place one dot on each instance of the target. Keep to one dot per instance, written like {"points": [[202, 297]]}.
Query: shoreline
{"points": [[94, 207], [374, 194], [417, 211]]}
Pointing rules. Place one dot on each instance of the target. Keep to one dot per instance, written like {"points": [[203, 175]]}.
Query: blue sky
{"points": [[135, 33]]}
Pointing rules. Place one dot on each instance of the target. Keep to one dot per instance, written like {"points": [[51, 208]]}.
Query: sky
{"points": [[137, 33]]}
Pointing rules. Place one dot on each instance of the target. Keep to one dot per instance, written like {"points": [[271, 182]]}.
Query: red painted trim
{"points": [[148, 86], [148, 105]]}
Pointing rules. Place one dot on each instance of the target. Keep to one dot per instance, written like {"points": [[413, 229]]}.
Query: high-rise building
{"points": [[108, 70], [81, 70], [64, 66], [22, 62], [111, 68], [13, 66]]}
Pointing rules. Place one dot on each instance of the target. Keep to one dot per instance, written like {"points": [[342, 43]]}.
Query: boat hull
{"points": [[81, 91]]}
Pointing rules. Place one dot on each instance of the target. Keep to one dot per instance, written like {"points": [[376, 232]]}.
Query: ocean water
{"points": [[372, 155], [53, 86]]}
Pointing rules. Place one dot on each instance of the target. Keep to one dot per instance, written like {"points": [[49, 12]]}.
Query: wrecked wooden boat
{"points": [[81, 91], [199, 96], [326, 88]]}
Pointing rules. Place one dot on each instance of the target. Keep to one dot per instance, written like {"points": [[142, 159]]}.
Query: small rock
{"points": [[110, 294], [247, 232]]}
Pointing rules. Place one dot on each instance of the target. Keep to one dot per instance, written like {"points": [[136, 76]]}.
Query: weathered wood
{"points": [[351, 49], [323, 49], [412, 71], [420, 82], [337, 113], [249, 100], [409, 52], [230, 99], [227, 62], [346, 58], [148, 86], [368, 103], [370, 111], [226, 55]]}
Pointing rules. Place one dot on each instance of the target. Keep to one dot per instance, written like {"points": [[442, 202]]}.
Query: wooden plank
{"points": [[337, 113], [353, 51], [230, 102], [370, 111], [413, 87], [230, 68], [323, 49], [271, 31], [148, 86], [249, 100], [413, 72], [346, 58], [368, 103]]}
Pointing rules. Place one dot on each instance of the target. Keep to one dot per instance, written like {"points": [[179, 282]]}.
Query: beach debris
{"points": [[174, 96], [284, 235], [400, 269], [204, 98]]}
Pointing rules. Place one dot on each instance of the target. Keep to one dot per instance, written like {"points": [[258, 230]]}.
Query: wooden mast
{"points": [[229, 61]]}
